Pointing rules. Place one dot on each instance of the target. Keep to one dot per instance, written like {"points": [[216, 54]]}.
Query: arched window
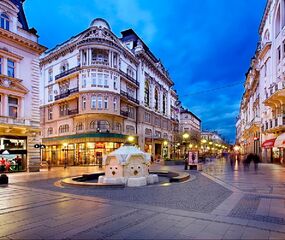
{"points": [[103, 126], [117, 126], [115, 104], [106, 102], [277, 22], [164, 104], [50, 131], [146, 93], [156, 101], [93, 125], [63, 128], [130, 129], [266, 36], [79, 126], [148, 132], [4, 21]]}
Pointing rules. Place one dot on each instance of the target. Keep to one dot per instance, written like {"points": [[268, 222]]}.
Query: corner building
{"points": [[98, 89], [19, 89]]}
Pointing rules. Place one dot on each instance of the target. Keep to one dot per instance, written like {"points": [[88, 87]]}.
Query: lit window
{"points": [[13, 106], [4, 21], [11, 68]]}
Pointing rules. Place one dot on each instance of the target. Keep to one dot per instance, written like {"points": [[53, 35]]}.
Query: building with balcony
{"points": [[266, 129], [19, 85], [98, 89]]}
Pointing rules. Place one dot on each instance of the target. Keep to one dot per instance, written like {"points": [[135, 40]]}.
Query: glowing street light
{"points": [[131, 139], [236, 148], [185, 136], [203, 141], [165, 143]]}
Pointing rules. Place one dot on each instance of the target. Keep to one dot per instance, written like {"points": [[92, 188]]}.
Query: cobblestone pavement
{"points": [[39, 210]]}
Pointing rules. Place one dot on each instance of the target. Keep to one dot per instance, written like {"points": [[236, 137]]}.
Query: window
{"points": [[93, 102], [265, 69], [64, 67], [13, 106], [50, 113], [79, 126], [130, 129], [93, 125], [146, 93], [50, 95], [147, 117], [117, 127], [131, 92], [4, 21], [11, 68], [106, 102], [50, 131], [100, 102], [164, 104], [94, 80], [63, 110], [83, 103], [106, 84], [83, 80], [50, 75], [131, 112], [100, 79], [115, 104], [278, 54], [103, 126], [148, 132], [1, 68], [157, 121], [156, 101], [115, 82], [63, 128], [115, 59], [277, 22]]}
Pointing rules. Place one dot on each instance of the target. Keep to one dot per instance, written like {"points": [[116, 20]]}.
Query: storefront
{"points": [[279, 144], [81, 149], [13, 154], [269, 152]]}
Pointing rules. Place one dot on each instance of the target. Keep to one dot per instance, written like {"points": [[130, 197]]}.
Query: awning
{"points": [[280, 141], [268, 143]]}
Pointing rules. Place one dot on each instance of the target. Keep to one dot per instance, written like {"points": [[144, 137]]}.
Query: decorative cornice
{"points": [[19, 40], [265, 15]]}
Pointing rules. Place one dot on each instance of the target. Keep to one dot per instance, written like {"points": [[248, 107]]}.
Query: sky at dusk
{"points": [[206, 45]]}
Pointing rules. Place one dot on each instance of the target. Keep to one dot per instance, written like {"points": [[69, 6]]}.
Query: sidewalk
{"points": [[190, 210]]}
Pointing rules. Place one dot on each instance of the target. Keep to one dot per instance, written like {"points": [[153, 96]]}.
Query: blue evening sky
{"points": [[204, 44]]}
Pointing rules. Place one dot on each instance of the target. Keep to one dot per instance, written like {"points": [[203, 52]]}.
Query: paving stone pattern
{"points": [[247, 209], [201, 194]]}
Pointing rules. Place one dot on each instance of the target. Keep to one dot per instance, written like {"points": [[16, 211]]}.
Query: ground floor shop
{"points": [[81, 149]]}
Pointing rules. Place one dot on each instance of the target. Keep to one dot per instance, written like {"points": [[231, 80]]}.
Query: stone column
{"points": [[33, 154]]}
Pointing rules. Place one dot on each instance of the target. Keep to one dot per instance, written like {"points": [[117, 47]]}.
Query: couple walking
{"points": [[251, 157]]}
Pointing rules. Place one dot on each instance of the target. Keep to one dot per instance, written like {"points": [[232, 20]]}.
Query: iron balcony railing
{"points": [[125, 94], [125, 113], [129, 77], [67, 72], [66, 94], [73, 111]]}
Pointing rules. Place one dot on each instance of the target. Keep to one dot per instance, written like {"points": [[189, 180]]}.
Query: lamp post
{"points": [[40, 146], [65, 150], [185, 136]]}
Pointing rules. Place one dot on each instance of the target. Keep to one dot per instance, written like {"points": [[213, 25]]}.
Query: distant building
{"points": [[190, 123], [212, 136], [98, 89], [19, 88]]}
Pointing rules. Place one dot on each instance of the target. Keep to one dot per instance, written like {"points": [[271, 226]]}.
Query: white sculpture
{"points": [[128, 165]]}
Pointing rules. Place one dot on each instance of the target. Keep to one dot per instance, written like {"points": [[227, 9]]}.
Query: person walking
{"points": [[232, 159], [256, 160]]}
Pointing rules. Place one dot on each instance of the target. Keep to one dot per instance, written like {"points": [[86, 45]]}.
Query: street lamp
{"points": [[40, 146], [185, 136], [65, 150]]}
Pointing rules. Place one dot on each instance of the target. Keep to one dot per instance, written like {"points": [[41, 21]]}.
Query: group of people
{"points": [[251, 157]]}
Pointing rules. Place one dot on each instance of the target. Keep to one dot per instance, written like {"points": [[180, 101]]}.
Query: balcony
{"points": [[275, 93], [73, 111], [125, 75], [274, 124], [124, 113], [125, 94], [66, 94], [14, 121], [68, 72]]}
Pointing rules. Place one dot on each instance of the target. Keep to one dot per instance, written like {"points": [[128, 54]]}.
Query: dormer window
{"points": [[4, 21]]}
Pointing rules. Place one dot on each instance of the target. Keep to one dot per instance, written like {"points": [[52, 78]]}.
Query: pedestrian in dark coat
{"points": [[256, 160]]}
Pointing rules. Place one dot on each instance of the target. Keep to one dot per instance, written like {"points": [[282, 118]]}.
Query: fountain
{"points": [[129, 166]]}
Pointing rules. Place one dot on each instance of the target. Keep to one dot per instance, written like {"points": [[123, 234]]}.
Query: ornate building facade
{"points": [[261, 122], [19, 89], [97, 90]]}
